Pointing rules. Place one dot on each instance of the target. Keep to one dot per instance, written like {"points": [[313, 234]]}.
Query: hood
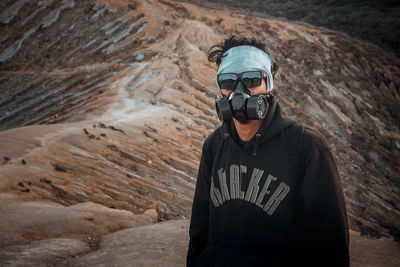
{"points": [[272, 125]]}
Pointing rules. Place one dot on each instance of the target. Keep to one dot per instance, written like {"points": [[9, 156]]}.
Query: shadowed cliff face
{"points": [[371, 21], [43, 78], [122, 97]]}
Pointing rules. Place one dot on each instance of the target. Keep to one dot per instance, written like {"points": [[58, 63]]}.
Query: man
{"points": [[268, 191]]}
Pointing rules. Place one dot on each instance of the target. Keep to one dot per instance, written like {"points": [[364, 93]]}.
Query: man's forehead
{"points": [[244, 58], [240, 65]]}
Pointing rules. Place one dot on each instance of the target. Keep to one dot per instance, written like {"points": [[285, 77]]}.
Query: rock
{"points": [[44, 180], [59, 168], [28, 220], [161, 244], [38, 252], [373, 252], [153, 214], [318, 73], [115, 129], [139, 57]]}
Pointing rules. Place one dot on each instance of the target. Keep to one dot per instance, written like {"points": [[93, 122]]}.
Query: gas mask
{"points": [[243, 67], [241, 105]]}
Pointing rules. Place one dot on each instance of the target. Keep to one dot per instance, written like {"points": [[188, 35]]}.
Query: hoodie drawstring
{"points": [[258, 136]]}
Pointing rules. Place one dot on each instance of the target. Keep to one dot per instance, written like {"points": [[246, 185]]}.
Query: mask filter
{"points": [[241, 105]]}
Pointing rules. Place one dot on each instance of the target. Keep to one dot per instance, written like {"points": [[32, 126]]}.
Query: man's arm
{"points": [[324, 228], [198, 230]]}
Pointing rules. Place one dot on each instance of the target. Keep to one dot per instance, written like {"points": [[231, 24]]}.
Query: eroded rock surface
{"points": [[371, 21], [51, 251], [88, 222], [161, 244]]}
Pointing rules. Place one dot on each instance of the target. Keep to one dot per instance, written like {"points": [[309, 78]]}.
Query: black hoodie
{"points": [[251, 208]]}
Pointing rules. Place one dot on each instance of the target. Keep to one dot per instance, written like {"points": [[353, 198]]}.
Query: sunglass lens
{"points": [[252, 78], [227, 80]]}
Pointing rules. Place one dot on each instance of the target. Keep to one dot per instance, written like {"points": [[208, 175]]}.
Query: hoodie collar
{"points": [[272, 125]]}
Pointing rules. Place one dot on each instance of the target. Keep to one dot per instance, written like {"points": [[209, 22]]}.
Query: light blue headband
{"points": [[243, 58]]}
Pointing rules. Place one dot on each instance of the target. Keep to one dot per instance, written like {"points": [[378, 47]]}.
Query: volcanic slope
{"points": [[105, 106]]}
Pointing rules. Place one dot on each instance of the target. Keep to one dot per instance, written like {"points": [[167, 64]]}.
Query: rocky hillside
{"points": [[105, 105], [375, 21]]}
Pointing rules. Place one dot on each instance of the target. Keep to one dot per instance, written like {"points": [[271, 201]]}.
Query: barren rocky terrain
{"points": [[104, 106], [375, 21]]}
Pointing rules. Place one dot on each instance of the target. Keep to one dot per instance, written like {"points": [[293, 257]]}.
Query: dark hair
{"points": [[216, 52]]}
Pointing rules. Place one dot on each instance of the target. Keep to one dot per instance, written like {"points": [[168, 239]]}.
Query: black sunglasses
{"points": [[249, 78]]}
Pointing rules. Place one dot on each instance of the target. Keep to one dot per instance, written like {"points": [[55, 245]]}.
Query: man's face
{"points": [[261, 89]]}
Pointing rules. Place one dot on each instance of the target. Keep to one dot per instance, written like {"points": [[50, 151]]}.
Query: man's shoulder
{"points": [[314, 139], [213, 138]]}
